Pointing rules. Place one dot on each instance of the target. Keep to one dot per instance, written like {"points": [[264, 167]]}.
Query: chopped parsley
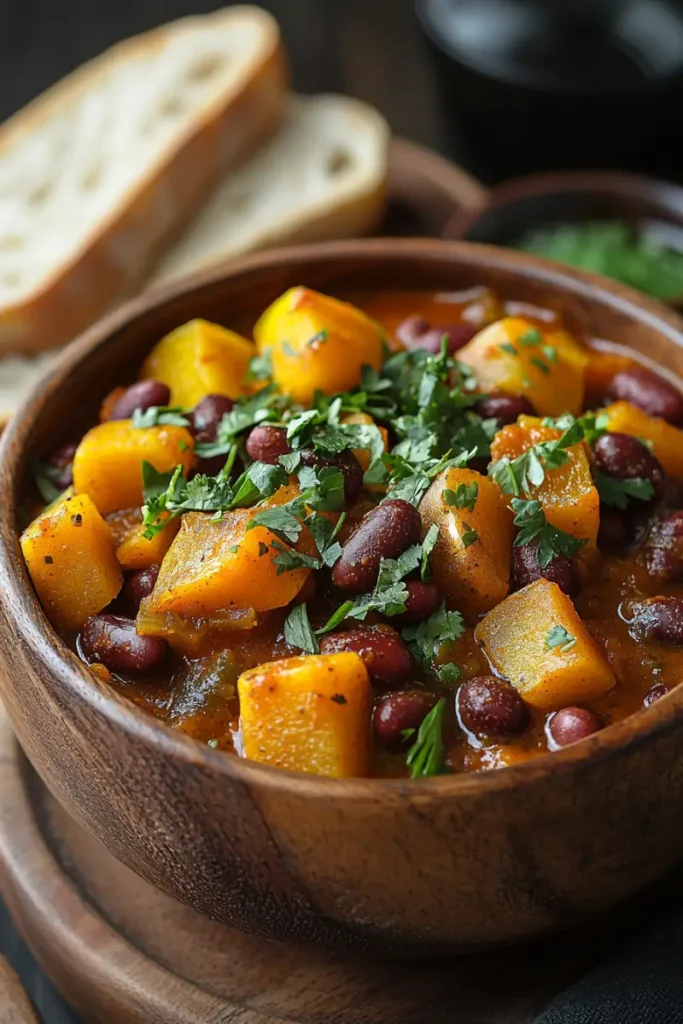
{"points": [[618, 493], [46, 477], [427, 755], [427, 637], [299, 632], [161, 415], [464, 496], [558, 636], [530, 338], [470, 535], [533, 526], [520, 475], [428, 545]]}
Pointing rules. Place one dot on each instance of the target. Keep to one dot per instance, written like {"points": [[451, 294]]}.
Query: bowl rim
{"points": [[31, 625], [620, 185]]}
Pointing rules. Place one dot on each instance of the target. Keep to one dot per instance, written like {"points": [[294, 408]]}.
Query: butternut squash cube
{"points": [[308, 714], [471, 559], [133, 549], [71, 558], [602, 367], [108, 461], [213, 566], [199, 359], [568, 495], [537, 641], [546, 365], [667, 441], [317, 343]]}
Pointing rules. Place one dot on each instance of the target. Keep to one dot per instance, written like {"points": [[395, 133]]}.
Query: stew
{"points": [[414, 535]]}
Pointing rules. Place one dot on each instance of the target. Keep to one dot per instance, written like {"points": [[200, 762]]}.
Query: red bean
{"points": [[142, 396], [491, 707], [654, 694], [505, 408], [399, 712], [660, 619], [616, 529], [423, 600], [673, 492], [386, 656], [267, 443], [664, 548], [650, 392], [625, 457], [385, 532], [139, 585], [418, 333], [113, 641], [345, 461], [526, 569], [571, 725], [207, 415], [61, 459]]}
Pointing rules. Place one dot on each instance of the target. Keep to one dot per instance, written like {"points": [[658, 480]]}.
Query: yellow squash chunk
{"points": [[545, 365], [667, 441], [71, 557], [602, 367], [200, 359], [308, 714], [473, 576], [213, 566], [568, 495], [133, 549], [317, 343], [515, 637], [108, 461]]}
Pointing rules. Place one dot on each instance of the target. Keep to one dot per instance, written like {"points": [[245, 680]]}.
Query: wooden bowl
{"points": [[388, 867]]}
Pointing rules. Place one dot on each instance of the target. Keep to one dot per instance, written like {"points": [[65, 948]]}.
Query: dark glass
{"points": [[533, 85]]}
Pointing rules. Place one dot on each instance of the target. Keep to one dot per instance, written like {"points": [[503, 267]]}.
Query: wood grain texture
{"points": [[15, 1006], [392, 867]]}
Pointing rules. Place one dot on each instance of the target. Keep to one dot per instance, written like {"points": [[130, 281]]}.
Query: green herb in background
{"points": [[615, 250]]}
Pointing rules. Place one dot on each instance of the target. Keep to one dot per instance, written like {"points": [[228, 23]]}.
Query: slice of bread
{"points": [[322, 175], [99, 171]]}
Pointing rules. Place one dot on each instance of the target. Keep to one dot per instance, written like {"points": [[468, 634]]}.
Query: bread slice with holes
{"points": [[322, 175], [99, 171]]}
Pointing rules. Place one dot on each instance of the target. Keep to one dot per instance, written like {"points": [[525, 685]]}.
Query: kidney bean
{"points": [[490, 706], [142, 396], [345, 461], [664, 548], [616, 529], [673, 492], [418, 333], [61, 458], [660, 619], [570, 725], [654, 693], [625, 457], [505, 408], [139, 585], [386, 656], [207, 415], [423, 600], [398, 712], [384, 532], [526, 569], [650, 392], [266, 443], [113, 641]]}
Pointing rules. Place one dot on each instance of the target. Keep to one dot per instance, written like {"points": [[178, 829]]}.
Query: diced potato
{"points": [[108, 461], [515, 637], [545, 365], [133, 549], [568, 495], [71, 556], [308, 714], [363, 454], [213, 566], [602, 367], [199, 359], [317, 343], [473, 576], [667, 441]]}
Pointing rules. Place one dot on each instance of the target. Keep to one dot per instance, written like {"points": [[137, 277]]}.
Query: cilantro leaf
{"points": [[531, 337], [427, 547], [46, 477], [427, 755], [260, 368], [470, 536], [464, 496], [533, 526], [520, 475], [299, 632], [617, 493], [558, 636], [426, 638], [160, 415]]}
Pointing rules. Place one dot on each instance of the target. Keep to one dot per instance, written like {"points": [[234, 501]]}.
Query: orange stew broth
{"points": [[198, 696]]}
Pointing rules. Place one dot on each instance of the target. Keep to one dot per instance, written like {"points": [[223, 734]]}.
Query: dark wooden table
{"points": [[367, 48]]}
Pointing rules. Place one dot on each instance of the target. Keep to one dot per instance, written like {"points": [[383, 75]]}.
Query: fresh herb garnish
{"points": [[470, 535], [464, 496], [428, 545], [530, 338], [520, 475], [161, 415], [618, 493], [533, 526], [427, 638], [427, 755], [299, 632], [558, 636], [46, 477]]}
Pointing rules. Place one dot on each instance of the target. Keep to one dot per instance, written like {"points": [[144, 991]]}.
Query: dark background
{"points": [[371, 49]]}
